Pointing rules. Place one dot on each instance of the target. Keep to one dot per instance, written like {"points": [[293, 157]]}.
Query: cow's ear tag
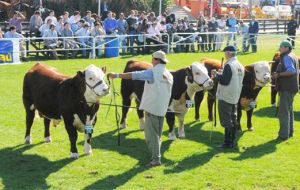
{"points": [[88, 129], [189, 103]]}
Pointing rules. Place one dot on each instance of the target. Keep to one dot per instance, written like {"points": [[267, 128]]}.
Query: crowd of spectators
{"points": [[140, 32]]}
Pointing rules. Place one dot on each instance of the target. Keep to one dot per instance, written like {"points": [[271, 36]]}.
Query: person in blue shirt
{"points": [[287, 85], [50, 37], [244, 31], [253, 31], [110, 24], [231, 23], [12, 33], [122, 26], [83, 35]]}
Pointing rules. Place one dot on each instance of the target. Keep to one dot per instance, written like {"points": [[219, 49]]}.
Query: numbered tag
{"points": [[252, 105], [189, 103], [88, 129]]}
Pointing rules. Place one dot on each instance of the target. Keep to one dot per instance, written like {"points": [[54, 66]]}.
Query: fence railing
{"points": [[92, 45]]}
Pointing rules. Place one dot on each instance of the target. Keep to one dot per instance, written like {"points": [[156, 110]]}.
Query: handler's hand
{"points": [[275, 76], [213, 72], [112, 75]]}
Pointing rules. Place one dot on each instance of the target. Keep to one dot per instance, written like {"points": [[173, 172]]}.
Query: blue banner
{"points": [[9, 51]]}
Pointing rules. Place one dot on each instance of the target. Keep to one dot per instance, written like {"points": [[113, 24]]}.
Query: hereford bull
{"points": [[257, 75], [56, 97], [187, 82], [274, 64]]}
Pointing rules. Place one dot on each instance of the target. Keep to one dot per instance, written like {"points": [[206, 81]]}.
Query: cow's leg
{"points": [[210, 103], [198, 99], [87, 144], [47, 131], [249, 120], [273, 96], [126, 104], [72, 137], [181, 133], [239, 115], [141, 116], [29, 121], [171, 123]]}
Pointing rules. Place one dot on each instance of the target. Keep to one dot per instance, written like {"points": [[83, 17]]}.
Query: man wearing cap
{"points": [[228, 93], [231, 23], [287, 84], [253, 31], [155, 100]]}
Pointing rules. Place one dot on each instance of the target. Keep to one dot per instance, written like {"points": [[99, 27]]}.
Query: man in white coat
{"points": [[155, 100]]}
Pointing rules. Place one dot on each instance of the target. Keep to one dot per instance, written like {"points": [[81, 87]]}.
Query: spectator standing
{"points": [[35, 23], [191, 40], [221, 28], [132, 22], [231, 23], [244, 31], [287, 84], [45, 26], [110, 24], [291, 30], [171, 18], [171, 31], [253, 32], [16, 21], [202, 28], [122, 27], [74, 19], [212, 28]]}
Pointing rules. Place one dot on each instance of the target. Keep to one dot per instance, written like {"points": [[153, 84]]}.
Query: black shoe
{"points": [[225, 146]]}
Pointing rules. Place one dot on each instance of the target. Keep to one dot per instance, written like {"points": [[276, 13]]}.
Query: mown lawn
{"points": [[259, 162]]}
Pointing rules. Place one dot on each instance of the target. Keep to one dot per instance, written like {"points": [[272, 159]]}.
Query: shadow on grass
{"points": [[271, 111], [26, 171], [132, 147], [208, 138], [259, 150]]}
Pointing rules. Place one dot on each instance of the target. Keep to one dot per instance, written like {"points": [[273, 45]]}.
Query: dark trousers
{"points": [[292, 38], [211, 42], [203, 43], [252, 42], [228, 120]]}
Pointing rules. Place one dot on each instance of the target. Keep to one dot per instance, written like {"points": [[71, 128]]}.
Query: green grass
{"points": [[192, 163]]}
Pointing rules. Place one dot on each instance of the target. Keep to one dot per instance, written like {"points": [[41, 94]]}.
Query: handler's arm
{"points": [[146, 75], [225, 77]]}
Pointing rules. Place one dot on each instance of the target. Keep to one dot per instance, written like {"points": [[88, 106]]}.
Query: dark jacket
{"points": [[253, 27], [291, 83], [291, 27], [212, 26]]}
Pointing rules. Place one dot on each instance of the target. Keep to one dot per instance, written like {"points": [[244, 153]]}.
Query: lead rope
{"points": [[214, 122], [113, 99]]}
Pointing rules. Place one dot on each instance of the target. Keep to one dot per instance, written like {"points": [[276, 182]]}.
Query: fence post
{"points": [[168, 41], [285, 26], [94, 48], [277, 21], [264, 25]]}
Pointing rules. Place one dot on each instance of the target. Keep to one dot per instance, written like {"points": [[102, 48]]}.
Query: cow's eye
{"points": [[197, 73], [90, 78]]}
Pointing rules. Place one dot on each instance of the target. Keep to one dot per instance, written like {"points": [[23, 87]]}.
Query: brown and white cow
{"points": [[187, 82], [274, 64], [56, 97], [257, 75]]}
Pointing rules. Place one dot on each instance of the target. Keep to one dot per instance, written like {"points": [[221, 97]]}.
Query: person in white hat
{"points": [[155, 100], [231, 23]]}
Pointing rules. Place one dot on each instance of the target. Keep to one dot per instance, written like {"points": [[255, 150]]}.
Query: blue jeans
{"points": [[229, 37]]}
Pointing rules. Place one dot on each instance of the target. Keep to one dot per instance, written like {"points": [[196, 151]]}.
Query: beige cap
{"points": [[160, 55]]}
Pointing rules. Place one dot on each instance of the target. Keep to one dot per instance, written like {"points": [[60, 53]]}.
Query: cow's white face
{"points": [[96, 86], [201, 77], [262, 73]]}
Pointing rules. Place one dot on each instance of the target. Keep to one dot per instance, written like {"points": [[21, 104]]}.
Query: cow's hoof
{"points": [[172, 137], [28, 140], [182, 135], [87, 149], [74, 155], [273, 105], [123, 126], [197, 118], [48, 139], [142, 124], [250, 129]]}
